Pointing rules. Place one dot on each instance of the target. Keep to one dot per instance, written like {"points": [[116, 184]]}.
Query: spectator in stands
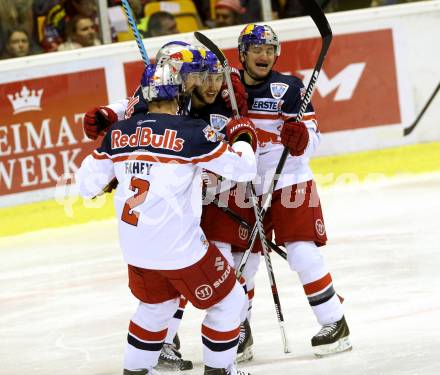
{"points": [[81, 32], [55, 26], [161, 23], [18, 44], [8, 20], [293, 8], [254, 11], [228, 13], [341, 5]]}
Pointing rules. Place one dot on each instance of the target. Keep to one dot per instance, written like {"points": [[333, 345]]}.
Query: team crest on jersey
{"points": [[218, 122], [278, 89], [210, 134]]}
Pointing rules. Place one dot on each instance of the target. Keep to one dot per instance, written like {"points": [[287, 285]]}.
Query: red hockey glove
{"points": [[241, 95], [294, 136], [97, 121], [241, 129]]}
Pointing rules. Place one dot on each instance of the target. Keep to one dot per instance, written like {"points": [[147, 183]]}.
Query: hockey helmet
{"points": [[212, 62], [258, 34], [184, 57], [161, 82]]}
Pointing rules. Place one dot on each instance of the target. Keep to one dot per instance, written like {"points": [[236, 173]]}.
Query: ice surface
{"points": [[65, 305]]}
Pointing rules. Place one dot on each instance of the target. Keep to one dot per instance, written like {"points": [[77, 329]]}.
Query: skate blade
{"points": [[247, 355], [342, 345], [182, 366]]}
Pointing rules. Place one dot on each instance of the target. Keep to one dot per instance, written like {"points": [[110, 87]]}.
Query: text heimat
{"points": [[144, 137]]}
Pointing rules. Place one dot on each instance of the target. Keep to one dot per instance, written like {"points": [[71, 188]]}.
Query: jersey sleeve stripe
{"points": [[100, 155], [219, 150]]}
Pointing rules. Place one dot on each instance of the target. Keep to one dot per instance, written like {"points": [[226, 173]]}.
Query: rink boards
{"points": [[380, 69]]}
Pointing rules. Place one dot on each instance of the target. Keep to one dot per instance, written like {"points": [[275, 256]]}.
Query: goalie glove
{"points": [[241, 95], [294, 136], [97, 121], [241, 129]]}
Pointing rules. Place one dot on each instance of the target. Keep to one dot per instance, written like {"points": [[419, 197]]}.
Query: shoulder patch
{"points": [[278, 89], [210, 133], [218, 122]]}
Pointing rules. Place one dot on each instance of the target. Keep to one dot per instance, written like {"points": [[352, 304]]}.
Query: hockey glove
{"points": [[241, 95], [295, 136], [241, 129], [97, 121]]}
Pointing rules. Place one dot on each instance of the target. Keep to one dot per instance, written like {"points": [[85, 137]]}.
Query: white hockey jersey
{"points": [[157, 160], [270, 103]]}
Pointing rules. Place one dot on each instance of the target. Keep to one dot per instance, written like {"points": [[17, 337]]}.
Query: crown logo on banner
{"points": [[26, 100]]}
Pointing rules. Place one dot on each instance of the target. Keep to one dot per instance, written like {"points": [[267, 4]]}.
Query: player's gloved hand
{"points": [[294, 136], [241, 95], [112, 185], [241, 129], [97, 121]]}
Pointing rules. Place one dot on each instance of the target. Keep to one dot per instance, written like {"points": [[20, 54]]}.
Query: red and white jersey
{"points": [[157, 160], [270, 103]]}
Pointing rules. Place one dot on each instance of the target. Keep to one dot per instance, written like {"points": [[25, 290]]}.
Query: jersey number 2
{"points": [[128, 214]]}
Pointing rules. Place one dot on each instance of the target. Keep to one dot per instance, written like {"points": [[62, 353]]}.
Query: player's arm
{"points": [[236, 160], [240, 93], [98, 120], [96, 173], [303, 137]]}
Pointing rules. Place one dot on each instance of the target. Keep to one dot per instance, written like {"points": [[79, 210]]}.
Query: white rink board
{"points": [[65, 304]]}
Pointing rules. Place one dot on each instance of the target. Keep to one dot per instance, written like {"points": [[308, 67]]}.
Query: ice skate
{"points": [[141, 372], [171, 359], [332, 338], [245, 342], [224, 371]]}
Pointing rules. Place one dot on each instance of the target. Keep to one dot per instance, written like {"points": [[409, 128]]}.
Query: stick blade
{"points": [[208, 43]]}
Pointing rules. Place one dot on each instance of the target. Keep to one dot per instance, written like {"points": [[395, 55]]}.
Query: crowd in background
{"points": [[29, 27]]}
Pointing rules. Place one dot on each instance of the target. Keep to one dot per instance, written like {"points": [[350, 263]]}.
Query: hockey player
{"points": [[207, 104], [215, 109], [97, 120], [295, 212], [218, 226], [157, 159]]}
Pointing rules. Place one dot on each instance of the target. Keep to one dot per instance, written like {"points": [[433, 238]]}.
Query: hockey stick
{"points": [[137, 36], [321, 22], [258, 218], [237, 218], [409, 129]]}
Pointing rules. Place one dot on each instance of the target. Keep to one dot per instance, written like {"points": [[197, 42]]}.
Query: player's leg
{"points": [[170, 357], [304, 257], [246, 341], [158, 301], [299, 225], [210, 284]]}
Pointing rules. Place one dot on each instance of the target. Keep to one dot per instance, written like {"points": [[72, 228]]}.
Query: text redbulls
{"points": [[144, 137]]}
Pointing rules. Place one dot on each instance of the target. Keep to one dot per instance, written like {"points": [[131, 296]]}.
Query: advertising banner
{"points": [[41, 134], [357, 87]]}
